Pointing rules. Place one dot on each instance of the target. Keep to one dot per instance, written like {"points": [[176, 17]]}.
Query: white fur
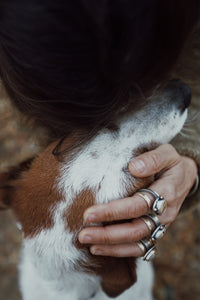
{"points": [[48, 259], [112, 153]]}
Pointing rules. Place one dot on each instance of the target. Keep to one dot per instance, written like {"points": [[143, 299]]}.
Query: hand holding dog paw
{"points": [[175, 177]]}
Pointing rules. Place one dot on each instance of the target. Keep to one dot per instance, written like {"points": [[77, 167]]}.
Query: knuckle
{"points": [[172, 149], [106, 235], [112, 212], [136, 235], [143, 208], [109, 214], [169, 147], [172, 216], [173, 152], [137, 209], [155, 161], [139, 234], [116, 251], [130, 211], [171, 193]]}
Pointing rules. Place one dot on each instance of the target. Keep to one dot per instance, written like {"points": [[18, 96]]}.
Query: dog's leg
{"points": [[34, 287], [31, 285], [142, 290]]}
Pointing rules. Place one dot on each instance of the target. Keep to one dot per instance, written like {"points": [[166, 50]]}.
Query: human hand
{"points": [[176, 175]]}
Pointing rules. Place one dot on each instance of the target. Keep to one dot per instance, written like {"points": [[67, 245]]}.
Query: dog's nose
{"points": [[181, 93]]}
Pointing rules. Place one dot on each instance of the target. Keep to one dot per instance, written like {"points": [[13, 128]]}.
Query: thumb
{"points": [[152, 162]]}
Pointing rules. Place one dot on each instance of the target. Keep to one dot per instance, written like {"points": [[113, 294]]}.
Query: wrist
{"points": [[193, 174], [195, 187]]}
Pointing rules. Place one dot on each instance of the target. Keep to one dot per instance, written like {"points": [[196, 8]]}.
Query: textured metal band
{"points": [[150, 254], [154, 194], [147, 242], [154, 219], [149, 222], [142, 247], [146, 199], [158, 232], [159, 204]]}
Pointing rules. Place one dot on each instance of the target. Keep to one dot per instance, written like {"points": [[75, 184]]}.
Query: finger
{"points": [[154, 161], [135, 230], [121, 209], [115, 234], [124, 250]]}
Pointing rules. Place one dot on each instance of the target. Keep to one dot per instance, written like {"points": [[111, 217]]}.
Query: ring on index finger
{"points": [[159, 204], [146, 199]]}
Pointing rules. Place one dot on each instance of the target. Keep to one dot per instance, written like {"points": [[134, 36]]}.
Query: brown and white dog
{"points": [[49, 197]]}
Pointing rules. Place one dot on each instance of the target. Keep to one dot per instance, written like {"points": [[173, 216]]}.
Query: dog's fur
{"points": [[49, 195]]}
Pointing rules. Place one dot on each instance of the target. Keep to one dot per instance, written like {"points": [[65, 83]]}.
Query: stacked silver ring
{"points": [[147, 245]]}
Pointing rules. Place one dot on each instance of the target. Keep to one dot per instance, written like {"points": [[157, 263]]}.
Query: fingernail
{"points": [[138, 165], [85, 239], [90, 218], [96, 251]]}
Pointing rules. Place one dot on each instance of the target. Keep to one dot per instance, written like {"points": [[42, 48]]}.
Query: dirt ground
{"points": [[177, 265]]}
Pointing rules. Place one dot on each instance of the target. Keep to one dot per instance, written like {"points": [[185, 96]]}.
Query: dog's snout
{"points": [[181, 94], [187, 96]]}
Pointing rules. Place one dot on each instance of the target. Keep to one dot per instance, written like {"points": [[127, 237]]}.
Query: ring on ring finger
{"points": [[147, 245], [148, 248], [147, 242], [150, 254]]}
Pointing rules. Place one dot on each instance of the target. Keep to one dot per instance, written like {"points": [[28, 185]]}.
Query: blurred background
{"points": [[178, 262]]}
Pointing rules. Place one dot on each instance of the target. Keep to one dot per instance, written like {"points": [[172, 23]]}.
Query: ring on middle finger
{"points": [[149, 223], [159, 229], [158, 232]]}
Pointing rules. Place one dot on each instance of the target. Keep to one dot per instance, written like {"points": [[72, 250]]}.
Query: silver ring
{"points": [[154, 219], [149, 222], [150, 254], [146, 199], [159, 204], [148, 243], [158, 232], [142, 247]]}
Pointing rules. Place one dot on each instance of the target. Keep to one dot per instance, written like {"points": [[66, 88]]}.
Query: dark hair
{"points": [[71, 64]]}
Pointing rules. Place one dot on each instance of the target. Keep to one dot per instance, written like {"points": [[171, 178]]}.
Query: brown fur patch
{"points": [[35, 194], [6, 183], [117, 274], [31, 191], [73, 217]]}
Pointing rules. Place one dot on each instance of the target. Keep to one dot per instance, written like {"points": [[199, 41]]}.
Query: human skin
{"points": [[176, 176]]}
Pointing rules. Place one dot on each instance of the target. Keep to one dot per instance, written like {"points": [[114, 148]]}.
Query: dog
{"points": [[49, 195]]}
